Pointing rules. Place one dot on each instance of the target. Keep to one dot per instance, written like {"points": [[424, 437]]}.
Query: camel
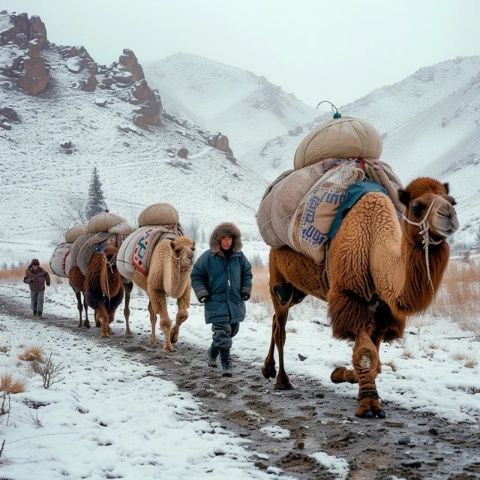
{"points": [[76, 279], [380, 272], [168, 275]]}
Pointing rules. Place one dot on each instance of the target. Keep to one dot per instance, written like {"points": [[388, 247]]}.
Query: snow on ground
{"points": [[126, 423]]}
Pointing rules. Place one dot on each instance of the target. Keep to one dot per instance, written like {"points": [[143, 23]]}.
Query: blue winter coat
{"points": [[225, 281]]}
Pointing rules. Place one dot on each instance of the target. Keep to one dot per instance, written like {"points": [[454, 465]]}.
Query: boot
{"points": [[212, 354], [34, 313], [226, 363], [39, 314]]}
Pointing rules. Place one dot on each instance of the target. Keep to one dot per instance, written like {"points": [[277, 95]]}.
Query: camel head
{"points": [[110, 254], [183, 249], [429, 210]]}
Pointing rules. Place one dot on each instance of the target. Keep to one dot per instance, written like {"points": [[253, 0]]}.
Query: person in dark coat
{"points": [[36, 278], [222, 280]]}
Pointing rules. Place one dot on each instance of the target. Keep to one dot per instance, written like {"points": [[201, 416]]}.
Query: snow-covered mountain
{"points": [[430, 123], [51, 141], [245, 107]]}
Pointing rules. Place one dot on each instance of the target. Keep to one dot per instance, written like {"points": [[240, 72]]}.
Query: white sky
{"points": [[316, 49]]}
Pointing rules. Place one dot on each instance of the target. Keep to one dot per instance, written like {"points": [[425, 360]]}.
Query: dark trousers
{"points": [[223, 334], [36, 300]]}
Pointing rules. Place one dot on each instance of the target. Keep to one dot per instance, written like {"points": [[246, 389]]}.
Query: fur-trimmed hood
{"points": [[226, 228]]}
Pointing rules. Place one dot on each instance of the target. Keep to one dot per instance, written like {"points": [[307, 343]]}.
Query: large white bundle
{"points": [[158, 214], [299, 210], [58, 259], [103, 222], [280, 202], [74, 232], [74, 251], [345, 137]]}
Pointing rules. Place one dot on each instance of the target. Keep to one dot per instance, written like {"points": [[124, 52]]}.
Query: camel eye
{"points": [[417, 208], [193, 249], [451, 200]]}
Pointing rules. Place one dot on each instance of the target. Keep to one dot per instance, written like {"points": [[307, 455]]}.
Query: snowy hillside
{"points": [[245, 107], [136, 166], [430, 123]]}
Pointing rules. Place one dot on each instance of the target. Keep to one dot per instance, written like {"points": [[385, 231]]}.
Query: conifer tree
{"points": [[96, 200]]}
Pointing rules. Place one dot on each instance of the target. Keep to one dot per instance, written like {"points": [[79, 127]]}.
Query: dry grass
{"points": [[17, 273], [392, 365], [261, 286], [459, 293], [31, 354], [10, 385]]}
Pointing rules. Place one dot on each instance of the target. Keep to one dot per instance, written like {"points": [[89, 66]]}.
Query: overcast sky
{"points": [[317, 49]]}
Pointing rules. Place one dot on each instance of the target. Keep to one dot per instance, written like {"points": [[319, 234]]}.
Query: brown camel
{"points": [[76, 279], [380, 272], [168, 275], [104, 289]]}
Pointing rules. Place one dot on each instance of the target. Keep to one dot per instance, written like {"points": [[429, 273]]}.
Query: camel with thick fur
{"points": [[168, 275], [104, 289], [76, 279], [380, 272]]}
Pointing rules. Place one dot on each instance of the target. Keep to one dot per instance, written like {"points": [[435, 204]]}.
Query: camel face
{"points": [[184, 250], [429, 207]]}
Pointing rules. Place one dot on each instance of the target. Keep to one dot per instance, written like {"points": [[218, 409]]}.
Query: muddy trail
{"points": [[406, 444]]}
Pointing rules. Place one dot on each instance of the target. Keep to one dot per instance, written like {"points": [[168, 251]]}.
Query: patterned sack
{"points": [[312, 220], [136, 250]]}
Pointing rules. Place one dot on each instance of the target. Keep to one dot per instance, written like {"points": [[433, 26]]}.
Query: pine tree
{"points": [[96, 200]]}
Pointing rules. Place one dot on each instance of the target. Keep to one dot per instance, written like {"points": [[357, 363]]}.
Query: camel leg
{"points": [[280, 335], [183, 303], [86, 323], [342, 374], [159, 304], [365, 362], [102, 316], [153, 324], [268, 369], [165, 322], [78, 295], [126, 311]]}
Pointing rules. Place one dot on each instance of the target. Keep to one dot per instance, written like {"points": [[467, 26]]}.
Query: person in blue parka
{"points": [[222, 280]]}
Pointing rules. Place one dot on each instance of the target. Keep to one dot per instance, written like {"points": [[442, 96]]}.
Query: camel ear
{"points": [[447, 188], [404, 196]]}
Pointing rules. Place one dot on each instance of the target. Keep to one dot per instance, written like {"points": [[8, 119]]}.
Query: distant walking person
{"points": [[36, 277], [222, 280]]}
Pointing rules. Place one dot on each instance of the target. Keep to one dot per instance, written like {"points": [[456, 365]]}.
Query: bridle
{"points": [[427, 240]]}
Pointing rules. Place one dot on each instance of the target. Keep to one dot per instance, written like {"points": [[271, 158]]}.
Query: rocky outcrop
{"points": [[33, 78], [130, 62], [30, 68], [220, 142], [23, 30]]}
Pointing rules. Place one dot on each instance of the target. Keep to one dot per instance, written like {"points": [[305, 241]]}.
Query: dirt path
{"points": [[406, 445]]}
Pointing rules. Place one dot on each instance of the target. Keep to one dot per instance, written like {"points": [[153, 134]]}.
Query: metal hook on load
{"points": [[336, 113]]}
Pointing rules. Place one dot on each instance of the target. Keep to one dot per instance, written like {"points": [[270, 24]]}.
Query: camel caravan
{"points": [[341, 228], [333, 227], [104, 258]]}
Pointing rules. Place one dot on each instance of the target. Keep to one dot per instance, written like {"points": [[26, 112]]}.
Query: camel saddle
{"points": [[95, 243]]}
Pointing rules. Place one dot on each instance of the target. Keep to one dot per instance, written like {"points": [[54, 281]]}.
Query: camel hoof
{"points": [[371, 414], [269, 371], [128, 334], [105, 335], [86, 324], [98, 324], [168, 349], [337, 375], [174, 336], [283, 386]]}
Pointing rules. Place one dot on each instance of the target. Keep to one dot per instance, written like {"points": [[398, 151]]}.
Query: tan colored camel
{"points": [[168, 276], [380, 272]]}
